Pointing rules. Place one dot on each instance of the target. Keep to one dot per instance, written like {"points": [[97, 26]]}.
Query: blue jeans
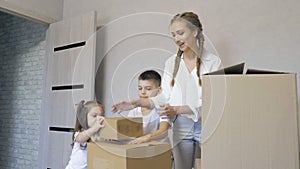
{"points": [[184, 150]]}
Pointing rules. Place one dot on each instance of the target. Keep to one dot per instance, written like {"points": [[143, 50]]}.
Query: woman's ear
{"points": [[195, 33]]}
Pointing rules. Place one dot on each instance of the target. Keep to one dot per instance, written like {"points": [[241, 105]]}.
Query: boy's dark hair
{"points": [[151, 75]]}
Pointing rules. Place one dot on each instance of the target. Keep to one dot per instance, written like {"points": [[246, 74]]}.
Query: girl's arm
{"points": [[85, 135], [160, 133]]}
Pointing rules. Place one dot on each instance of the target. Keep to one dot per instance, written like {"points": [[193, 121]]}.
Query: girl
{"points": [[88, 125], [181, 87]]}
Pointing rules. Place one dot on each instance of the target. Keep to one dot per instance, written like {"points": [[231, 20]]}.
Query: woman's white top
{"points": [[186, 90], [151, 121], [78, 158]]}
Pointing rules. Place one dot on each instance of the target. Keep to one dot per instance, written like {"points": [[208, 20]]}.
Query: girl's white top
{"points": [[78, 158]]}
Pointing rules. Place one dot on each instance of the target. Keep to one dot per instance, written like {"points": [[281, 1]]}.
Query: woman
{"points": [[181, 96]]}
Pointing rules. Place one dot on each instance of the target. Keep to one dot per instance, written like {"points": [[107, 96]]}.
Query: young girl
{"points": [[182, 92], [88, 125]]}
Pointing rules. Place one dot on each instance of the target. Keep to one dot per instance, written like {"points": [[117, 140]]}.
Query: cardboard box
{"points": [[120, 128], [106, 155], [249, 120], [198, 163]]}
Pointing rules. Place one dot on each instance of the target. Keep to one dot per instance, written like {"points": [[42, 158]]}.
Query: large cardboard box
{"points": [[121, 128], [106, 155], [198, 163], [249, 120]]}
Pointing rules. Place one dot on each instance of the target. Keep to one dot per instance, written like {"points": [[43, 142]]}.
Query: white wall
{"points": [[124, 51], [261, 33], [109, 10], [47, 11]]}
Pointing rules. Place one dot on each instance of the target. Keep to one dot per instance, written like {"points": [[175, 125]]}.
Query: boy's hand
{"points": [[140, 140], [123, 106]]}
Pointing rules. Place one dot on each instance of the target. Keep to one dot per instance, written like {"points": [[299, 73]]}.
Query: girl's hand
{"points": [[140, 140], [169, 111], [98, 124], [123, 106]]}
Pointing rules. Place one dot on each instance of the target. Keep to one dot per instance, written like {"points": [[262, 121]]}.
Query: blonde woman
{"points": [[181, 96]]}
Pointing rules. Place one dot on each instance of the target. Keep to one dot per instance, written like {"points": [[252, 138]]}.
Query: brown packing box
{"points": [[198, 163], [106, 155], [120, 128], [249, 120]]}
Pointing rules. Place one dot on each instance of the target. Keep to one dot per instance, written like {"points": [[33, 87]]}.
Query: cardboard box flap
{"points": [[123, 144], [149, 144], [121, 128], [109, 147], [258, 71], [135, 119], [239, 69], [146, 150], [235, 69], [121, 148]]}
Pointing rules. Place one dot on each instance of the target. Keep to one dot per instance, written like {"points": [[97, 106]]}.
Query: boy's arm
{"points": [[160, 133], [126, 105]]}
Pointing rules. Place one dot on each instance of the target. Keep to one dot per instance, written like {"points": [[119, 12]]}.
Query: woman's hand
{"points": [[140, 140], [169, 111], [123, 106]]}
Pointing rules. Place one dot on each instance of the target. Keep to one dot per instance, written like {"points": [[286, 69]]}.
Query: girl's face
{"points": [[148, 88], [93, 114], [183, 36]]}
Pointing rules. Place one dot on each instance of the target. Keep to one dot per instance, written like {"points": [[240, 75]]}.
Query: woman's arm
{"points": [[160, 133], [171, 111]]}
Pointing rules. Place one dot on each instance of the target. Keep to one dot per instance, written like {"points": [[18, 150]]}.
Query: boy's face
{"points": [[93, 114], [148, 88]]}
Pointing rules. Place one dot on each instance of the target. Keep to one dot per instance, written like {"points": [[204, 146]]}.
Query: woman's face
{"points": [[93, 114], [183, 36], [148, 88]]}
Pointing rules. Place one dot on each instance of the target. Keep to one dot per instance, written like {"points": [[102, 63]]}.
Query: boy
{"points": [[155, 127]]}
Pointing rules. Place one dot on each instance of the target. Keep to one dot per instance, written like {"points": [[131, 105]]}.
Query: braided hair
{"points": [[193, 23]]}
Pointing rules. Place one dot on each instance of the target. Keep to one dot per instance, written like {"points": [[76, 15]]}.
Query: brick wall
{"points": [[22, 52]]}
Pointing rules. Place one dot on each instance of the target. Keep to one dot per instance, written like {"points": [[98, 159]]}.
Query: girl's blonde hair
{"points": [[193, 23]]}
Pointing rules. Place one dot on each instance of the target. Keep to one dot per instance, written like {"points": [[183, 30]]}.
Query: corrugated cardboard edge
{"points": [[129, 150]]}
